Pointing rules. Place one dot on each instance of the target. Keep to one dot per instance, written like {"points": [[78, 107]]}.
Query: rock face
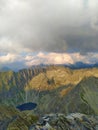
{"points": [[54, 89], [13, 119], [74, 121], [12, 85]]}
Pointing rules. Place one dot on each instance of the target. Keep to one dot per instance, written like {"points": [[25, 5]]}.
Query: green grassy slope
{"points": [[54, 89]]}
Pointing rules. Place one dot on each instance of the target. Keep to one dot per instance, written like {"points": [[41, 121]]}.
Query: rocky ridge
{"points": [[13, 119], [54, 89], [74, 121]]}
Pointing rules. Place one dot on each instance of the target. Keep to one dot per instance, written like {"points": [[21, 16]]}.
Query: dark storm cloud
{"points": [[83, 43], [48, 25]]}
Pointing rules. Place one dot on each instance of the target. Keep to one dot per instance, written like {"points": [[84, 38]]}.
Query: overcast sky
{"points": [[31, 31]]}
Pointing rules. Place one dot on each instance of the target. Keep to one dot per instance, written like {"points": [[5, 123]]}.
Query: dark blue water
{"points": [[27, 106]]}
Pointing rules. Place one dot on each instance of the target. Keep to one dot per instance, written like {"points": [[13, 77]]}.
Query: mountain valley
{"points": [[53, 88]]}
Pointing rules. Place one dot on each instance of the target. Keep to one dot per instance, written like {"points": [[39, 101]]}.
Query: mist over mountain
{"points": [[4, 69], [77, 65], [80, 65]]}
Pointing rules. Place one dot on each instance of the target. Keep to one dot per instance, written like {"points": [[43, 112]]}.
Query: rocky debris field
{"points": [[13, 119], [74, 121]]}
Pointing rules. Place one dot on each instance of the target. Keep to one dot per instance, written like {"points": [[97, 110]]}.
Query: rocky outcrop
{"points": [[12, 84], [75, 121], [13, 119]]}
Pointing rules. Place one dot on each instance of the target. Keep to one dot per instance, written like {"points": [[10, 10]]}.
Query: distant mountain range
{"points": [[77, 65], [2, 69], [54, 88]]}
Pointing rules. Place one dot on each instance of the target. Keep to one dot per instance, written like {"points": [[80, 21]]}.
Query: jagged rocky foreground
{"points": [[13, 119], [74, 121]]}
